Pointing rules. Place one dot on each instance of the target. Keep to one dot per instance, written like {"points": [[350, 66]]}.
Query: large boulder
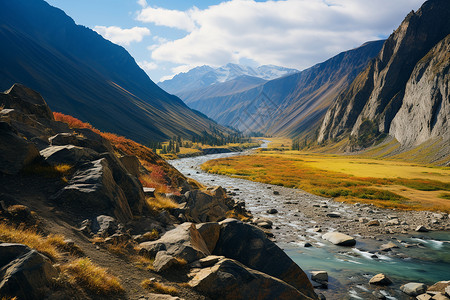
{"points": [[229, 279], [250, 246], [92, 189], [27, 101], [201, 207], [15, 152], [131, 164], [339, 239], [68, 154], [183, 242], [24, 273], [210, 233]]}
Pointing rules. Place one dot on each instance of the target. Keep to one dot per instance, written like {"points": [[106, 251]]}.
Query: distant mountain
{"points": [[80, 73], [404, 92], [292, 104], [205, 76]]}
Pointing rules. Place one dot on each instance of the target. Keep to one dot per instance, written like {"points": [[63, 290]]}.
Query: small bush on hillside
{"points": [[158, 287]]}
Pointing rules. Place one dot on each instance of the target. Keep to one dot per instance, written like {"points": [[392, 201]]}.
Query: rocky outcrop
{"points": [[97, 178], [229, 279], [183, 242], [403, 91], [24, 273], [15, 151], [202, 207], [251, 247]]}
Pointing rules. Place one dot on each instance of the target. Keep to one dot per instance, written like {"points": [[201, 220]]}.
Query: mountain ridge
{"points": [[82, 74], [202, 77]]}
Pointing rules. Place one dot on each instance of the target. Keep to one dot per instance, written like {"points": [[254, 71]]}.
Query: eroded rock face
{"points": [[404, 91], [184, 242], [93, 187], [418, 121], [229, 279], [250, 246], [24, 273], [15, 151], [201, 207]]}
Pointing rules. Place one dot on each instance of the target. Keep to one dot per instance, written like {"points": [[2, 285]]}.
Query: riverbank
{"points": [[302, 218]]}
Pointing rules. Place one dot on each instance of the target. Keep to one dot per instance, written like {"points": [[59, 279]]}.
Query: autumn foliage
{"points": [[160, 175]]}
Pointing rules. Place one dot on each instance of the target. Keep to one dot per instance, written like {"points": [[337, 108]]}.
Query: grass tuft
{"points": [[84, 273], [29, 237], [159, 287], [160, 202]]}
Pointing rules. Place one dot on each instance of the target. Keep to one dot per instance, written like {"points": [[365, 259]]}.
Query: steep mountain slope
{"points": [[205, 76], [404, 91], [290, 104], [80, 73]]}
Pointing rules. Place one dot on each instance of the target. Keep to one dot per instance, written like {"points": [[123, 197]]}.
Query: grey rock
{"points": [[333, 215], [319, 276], [380, 279], [164, 262], [388, 247], [229, 279], [272, 211], [421, 228], [413, 288], [24, 273], [184, 242], [68, 154], [201, 207], [250, 246], [338, 238], [15, 151], [210, 233]]}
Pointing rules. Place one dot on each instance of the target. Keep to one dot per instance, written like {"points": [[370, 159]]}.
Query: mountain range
{"points": [[286, 105], [403, 93], [205, 76], [80, 73]]}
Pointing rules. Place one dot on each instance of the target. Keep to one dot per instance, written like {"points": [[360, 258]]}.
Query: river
{"points": [[301, 214]]}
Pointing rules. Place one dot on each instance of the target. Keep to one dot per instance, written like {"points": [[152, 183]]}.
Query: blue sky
{"points": [[171, 36]]}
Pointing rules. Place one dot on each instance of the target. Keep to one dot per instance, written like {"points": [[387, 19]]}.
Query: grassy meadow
{"points": [[385, 183]]}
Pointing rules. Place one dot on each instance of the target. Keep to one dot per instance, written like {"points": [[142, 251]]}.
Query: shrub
{"points": [[160, 202]]}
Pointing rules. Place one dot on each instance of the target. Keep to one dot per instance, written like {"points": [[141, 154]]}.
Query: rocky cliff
{"points": [[404, 91]]}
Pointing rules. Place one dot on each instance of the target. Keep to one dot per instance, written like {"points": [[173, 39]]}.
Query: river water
{"points": [[349, 269]]}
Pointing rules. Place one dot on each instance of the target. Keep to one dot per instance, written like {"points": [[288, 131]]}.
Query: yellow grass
{"points": [[46, 245], [347, 178], [159, 287], [160, 202], [84, 273]]}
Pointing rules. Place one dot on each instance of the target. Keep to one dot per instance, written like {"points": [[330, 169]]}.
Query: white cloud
{"points": [[166, 17], [293, 33], [142, 3], [122, 36], [147, 65]]}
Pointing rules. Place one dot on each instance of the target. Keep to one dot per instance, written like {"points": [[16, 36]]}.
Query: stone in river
{"points": [[338, 238], [373, 223], [413, 288], [388, 247], [421, 228], [380, 279], [272, 211], [333, 215], [319, 276]]}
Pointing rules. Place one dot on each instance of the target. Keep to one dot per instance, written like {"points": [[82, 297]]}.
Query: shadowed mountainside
{"points": [[80, 73]]}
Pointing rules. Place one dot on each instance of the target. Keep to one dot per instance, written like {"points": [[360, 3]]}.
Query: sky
{"points": [[167, 37]]}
